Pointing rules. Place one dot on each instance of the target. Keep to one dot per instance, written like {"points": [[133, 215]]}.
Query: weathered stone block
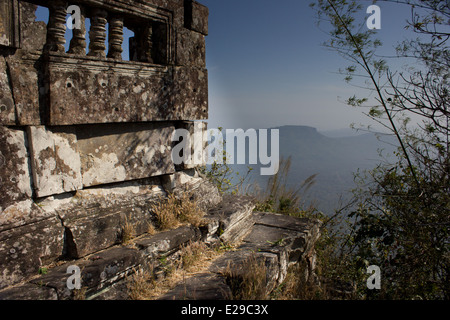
{"points": [[9, 23], [87, 91], [22, 213], [291, 239], [191, 48], [189, 97], [29, 292], [15, 179], [7, 108], [56, 164], [110, 266], [301, 234], [91, 229], [26, 248], [235, 217], [235, 264], [191, 152], [35, 32], [167, 242], [97, 272], [201, 190], [204, 286], [123, 153], [26, 88], [196, 17], [94, 218]]}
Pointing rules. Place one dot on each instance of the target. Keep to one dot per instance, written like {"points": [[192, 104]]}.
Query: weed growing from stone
{"points": [[173, 211]]}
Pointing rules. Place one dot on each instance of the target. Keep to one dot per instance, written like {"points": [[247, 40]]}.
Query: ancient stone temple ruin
{"points": [[85, 149]]}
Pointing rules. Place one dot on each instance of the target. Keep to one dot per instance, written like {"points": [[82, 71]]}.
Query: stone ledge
{"points": [[204, 286], [103, 270], [276, 240], [167, 242], [202, 191], [231, 220], [29, 291], [24, 249], [196, 17]]}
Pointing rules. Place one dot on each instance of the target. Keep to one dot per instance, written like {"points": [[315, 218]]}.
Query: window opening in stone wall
{"points": [[149, 43], [107, 39], [112, 36], [68, 36], [42, 14], [87, 24], [127, 34]]}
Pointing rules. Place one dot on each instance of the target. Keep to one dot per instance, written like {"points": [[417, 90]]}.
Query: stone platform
{"points": [[275, 239]]}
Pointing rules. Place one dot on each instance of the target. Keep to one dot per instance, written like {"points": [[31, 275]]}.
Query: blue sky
{"points": [[267, 67]]}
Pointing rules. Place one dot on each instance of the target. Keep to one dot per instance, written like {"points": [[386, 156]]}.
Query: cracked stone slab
{"points": [[120, 153], [95, 227], [97, 271], [166, 242], [204, 286], [204, 192], [301, 230], [233, 216], [15, 177], [273, 239], [29, 291], [26, 248], [56, 163], [24, 76], [7, 107], [196, 17], [89, 91], [287, 222], [94, 218], [281, 233], [237, 262]]}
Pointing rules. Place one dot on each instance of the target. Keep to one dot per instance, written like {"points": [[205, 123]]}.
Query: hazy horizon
{"points": [[267, 67]]}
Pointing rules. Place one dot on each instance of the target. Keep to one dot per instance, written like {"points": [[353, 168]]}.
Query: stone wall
{"points": [[85, 137]]}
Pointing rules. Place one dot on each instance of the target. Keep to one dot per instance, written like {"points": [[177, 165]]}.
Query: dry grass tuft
{"points": [[173, 211], [128, 233], [248, 280], [193, 258], [195, 255], [151, 230], [141, 285], [296, 286]]}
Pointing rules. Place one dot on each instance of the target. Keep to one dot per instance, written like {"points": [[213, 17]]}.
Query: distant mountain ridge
{"points": [[334, 160]]}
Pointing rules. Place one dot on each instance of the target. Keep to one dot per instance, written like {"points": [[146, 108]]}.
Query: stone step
{"points": [[103, 271], [231, 220], [275, 242]]}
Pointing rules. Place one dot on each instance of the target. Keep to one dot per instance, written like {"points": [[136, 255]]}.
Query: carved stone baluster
{"points": [[115, 38], [97, 34], [146, 44], [56, 29], [78, 42]]}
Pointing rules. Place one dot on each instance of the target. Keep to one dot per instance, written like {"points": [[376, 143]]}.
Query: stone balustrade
{"points": [[147, 31], [77, 120]]}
